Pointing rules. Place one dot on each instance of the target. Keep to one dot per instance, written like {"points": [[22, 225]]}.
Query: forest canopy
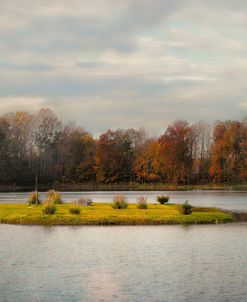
{"points": [[185, 153]]}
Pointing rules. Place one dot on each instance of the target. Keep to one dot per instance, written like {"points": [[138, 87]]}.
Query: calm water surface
{"points": [[143, 263], [231, 200]]}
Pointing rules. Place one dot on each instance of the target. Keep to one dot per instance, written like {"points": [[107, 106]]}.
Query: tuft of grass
{"points": [[142, 203], [119, 202], [55, 196], [34, 198], [49, 207], [74, 208]]}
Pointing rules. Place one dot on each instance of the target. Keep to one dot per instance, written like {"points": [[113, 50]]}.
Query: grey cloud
{"points": [[45, 32], [114, 63], [236, 5]]}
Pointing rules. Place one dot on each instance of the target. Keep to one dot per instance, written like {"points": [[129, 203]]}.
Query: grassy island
{"points": [[104, 214]]}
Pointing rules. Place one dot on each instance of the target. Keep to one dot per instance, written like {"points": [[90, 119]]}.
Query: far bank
{"points": [[132, 186]]}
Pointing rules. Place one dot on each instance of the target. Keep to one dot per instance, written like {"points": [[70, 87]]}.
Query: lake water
{"points": [[126, 263], [229, 199], [123, 263]]}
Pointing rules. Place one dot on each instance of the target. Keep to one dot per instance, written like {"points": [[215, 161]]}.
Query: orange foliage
{"points": [[228, 152], [177, 152], [149, 166]]}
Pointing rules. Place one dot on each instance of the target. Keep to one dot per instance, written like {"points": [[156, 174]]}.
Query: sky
{"points": [[125, 63]]}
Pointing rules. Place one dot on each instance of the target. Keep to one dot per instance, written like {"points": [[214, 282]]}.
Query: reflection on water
{"points": [[143, 263], [231, 200]]}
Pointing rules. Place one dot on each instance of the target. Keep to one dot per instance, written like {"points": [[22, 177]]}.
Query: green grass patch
{"points": [[104, 214]]}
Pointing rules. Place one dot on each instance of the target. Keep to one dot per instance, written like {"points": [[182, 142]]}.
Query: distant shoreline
{"points": [[68, 187]]}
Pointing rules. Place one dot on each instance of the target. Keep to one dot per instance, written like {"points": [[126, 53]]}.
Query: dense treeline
{"points": [[184, 154]]}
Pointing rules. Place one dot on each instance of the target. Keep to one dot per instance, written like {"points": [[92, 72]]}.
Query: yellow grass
{"points": [[104, 214]]}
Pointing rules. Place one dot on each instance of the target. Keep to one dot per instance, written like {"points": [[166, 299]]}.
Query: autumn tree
{"points": [[177, 148], [114, 156], [47, 134], [40, 143], [20, 145], [200, 147], [80, 147], [149, 165], [228, 159], [4, 154], [243, 155]]}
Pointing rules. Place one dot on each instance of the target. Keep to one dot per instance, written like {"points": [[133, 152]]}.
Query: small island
{"points": [[104, 214]]}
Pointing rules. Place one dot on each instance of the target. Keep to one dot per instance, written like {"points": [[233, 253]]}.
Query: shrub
{"points": [[75, 208], [186, 208], [49, 207], [162, 199], [142, 202], [34, 198], [119, 202], [84, 201], [55, 196]]}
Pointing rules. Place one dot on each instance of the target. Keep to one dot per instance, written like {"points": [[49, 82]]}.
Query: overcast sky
{"points": [[125, 63]]}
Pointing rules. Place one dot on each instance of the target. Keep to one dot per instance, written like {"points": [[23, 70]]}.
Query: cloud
{"points": [[112, 63], [12, 104]]}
